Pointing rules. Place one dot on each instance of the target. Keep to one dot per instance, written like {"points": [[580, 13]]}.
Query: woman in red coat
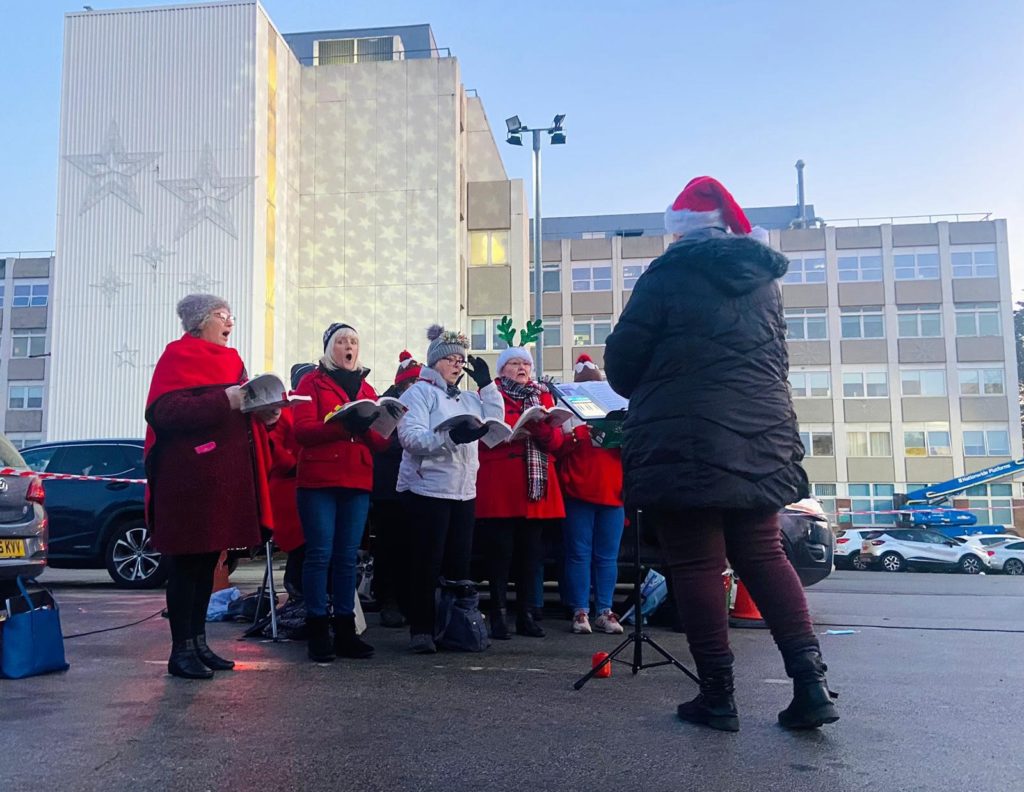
{"points": [[517, 494], [205, 466], [335, 477]]}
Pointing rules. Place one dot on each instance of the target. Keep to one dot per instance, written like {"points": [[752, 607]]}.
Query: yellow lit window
{"points": [[499, 247], [488, 248]]}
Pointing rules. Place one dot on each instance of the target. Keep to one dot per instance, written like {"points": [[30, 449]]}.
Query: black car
{"points": [[97, 524]]}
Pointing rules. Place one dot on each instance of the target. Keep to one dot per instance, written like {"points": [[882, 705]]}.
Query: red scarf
{"points": [[192, 362]]}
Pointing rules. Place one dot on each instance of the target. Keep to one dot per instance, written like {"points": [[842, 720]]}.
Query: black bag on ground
{"points": [[460, 625]]}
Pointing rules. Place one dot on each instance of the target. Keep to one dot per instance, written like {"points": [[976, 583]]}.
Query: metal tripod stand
{"points": [[638, 637], [267, 590]]}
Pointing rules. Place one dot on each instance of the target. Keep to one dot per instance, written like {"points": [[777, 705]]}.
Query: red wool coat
{"points": [[501, 481], [589, 473], [329, 454], [284, 452]]}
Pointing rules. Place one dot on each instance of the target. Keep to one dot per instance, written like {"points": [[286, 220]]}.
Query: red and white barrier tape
{"points": [[66, 476]]}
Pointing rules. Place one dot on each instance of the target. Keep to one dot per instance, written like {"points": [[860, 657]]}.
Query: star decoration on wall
{"points": [[200, 282], [110, 284], [112, 171], [205, 196], [154, 252], [126, 356]]}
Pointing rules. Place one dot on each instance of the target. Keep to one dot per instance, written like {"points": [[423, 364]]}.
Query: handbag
{"points": [[459, 624], [31, 641]]}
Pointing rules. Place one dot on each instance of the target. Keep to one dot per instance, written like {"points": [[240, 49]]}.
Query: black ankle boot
{"points": [[538, 614], [185, 663], [346, 642], [319, 645], [499, 625], [812, 704], [714, 706], [525, 624], [209, 658]]}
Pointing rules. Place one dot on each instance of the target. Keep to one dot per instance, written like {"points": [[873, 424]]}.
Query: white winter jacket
{"points": [[432, 465]]}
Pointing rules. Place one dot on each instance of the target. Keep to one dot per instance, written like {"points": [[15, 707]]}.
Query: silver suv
{"points": [[896, 549]]}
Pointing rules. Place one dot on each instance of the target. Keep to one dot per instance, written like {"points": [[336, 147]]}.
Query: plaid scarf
{"points": [[536, 460]]}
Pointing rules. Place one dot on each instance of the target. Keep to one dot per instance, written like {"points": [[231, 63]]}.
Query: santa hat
{"points": [[408, 369], [704, 202], [586, 370]]}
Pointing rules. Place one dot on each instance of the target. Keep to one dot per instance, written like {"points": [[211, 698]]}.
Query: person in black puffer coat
{"points": [[711, 449]]}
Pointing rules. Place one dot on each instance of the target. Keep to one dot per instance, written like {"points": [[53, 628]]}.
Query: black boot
{"points": [[346, 642], [499, 625], [319, 642], [525, 624], [209, 658], [185, 663], [538, 614], [714, 706], [812, 704]]}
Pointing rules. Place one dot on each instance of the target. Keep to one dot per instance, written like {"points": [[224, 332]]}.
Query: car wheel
{"points": [[857, 562], [1013, 567], [131, 560], [970, 565], [892, 562]]}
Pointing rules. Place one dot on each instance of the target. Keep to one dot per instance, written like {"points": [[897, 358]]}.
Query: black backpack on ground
{"points": [[460, 625]]}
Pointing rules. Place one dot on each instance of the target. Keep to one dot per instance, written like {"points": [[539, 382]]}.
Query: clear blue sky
{"points": [[897, 108]]}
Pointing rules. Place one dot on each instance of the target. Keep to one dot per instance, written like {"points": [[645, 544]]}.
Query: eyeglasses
{"points": [[224, 317], [455, 361]]}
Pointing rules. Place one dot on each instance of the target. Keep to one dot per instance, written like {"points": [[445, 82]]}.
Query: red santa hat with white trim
{"points": [[705, 203]]}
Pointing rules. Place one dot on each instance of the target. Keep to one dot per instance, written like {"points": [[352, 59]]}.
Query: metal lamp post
{"points": [[515, 131]]}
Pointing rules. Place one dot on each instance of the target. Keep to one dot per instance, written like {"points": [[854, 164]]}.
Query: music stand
{"points": [[638, 637], [266, 589]]}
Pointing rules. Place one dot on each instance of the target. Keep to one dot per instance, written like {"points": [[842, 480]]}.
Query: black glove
{"points": [[359, 424], [479, 371], [463, 434]]}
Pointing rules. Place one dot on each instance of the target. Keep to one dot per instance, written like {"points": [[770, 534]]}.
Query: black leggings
{"points": [[189, 587], [517, 544]]}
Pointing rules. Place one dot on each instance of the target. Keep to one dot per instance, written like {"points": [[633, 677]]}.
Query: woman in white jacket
{"points": [[438, 471]]}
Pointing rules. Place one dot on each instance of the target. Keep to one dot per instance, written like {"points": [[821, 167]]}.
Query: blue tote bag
{"points": [[31, 641]]}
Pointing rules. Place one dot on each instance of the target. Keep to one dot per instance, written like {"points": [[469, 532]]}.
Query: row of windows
{"points": [[27, 295], [972, 320], [586, 331], [992, 504], [25, 397], [913, 382], [919, 440], [865, 266]]}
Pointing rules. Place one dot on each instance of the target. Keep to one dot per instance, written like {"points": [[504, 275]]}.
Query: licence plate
{"points": [[12, 548]]}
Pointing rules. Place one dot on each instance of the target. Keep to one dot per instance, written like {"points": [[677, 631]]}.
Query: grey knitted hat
{"points": [[194, 309], [444, 343]]}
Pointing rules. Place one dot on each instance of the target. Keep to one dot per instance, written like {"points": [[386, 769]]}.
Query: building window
{"points": [[31, 294], [866, 322], [817, 441], [986, 441], [595, 276], [869, 442], [2, 295], [806, 324], [488, 248], [483, 335], [919, 321], [992, 504], [826, 495], [808, 268], [552, 331], [551, 276], [923, 382], [591, 330], [632, 269], [869, 502], [865, 385], [982, 382], [20, 441], [921, 264], [28, 343], [860, 266], [930, 439], [25, 397], [977, 319], [594, 235], [810, 384], [974, 262]]}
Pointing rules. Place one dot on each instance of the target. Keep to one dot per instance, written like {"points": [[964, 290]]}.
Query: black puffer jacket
{"points": [[700, 351]]}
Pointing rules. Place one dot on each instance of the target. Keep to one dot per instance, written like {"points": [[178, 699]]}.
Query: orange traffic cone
{"points": [[221, 573], [744, 612]]}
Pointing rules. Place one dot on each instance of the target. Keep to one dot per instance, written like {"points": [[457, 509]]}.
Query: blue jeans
{"points": [[333, 519], [592, 537]]}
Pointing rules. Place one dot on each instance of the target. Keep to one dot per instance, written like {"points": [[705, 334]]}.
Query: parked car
{"points": [[987, 540], [1008, 557], [896, 549], [97, 524], [808, 540], [23, 524], [848, 543]]}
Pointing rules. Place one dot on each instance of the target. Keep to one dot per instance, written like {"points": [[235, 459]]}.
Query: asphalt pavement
{"points": [[930, 685]]}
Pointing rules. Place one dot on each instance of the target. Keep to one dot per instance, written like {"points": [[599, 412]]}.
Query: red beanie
{"points": [[407, 367], [705, 202]]}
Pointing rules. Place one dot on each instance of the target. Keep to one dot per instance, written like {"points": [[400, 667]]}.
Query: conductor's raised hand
{"points": [[478, 369]]}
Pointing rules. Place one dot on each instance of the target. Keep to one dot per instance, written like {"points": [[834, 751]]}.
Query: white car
{"points": [[896, 549], [848, 544], [1009, 557]]}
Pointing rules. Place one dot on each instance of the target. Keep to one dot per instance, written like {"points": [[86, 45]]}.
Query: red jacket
{"points": [[589, 473], [284, 452], [501, 481], [330, 455]]}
